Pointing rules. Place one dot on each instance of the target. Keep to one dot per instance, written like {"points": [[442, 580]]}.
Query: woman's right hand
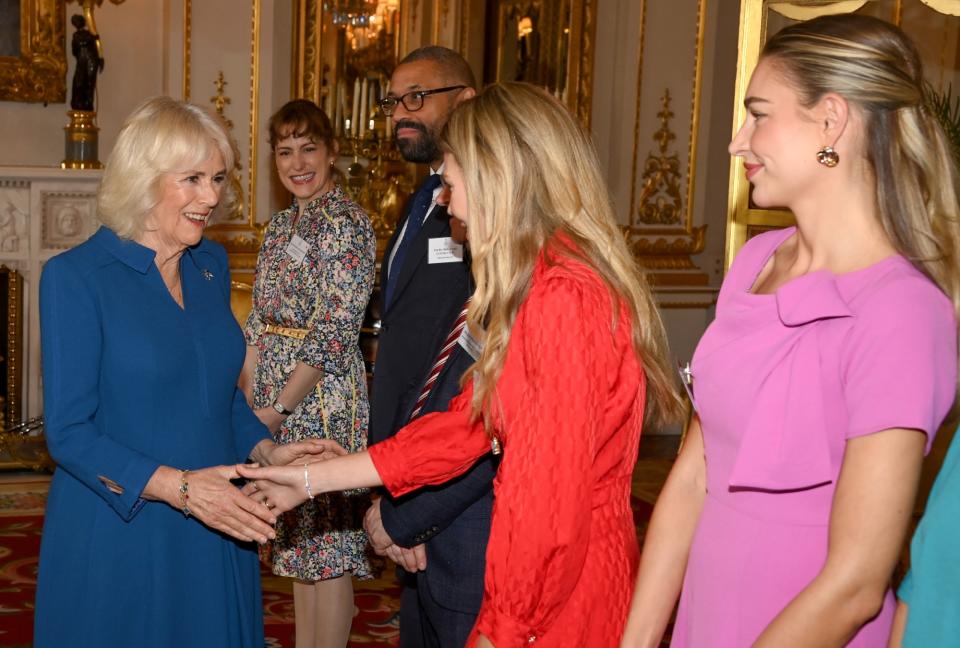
{"points": [[215, 501], [281, 487]]}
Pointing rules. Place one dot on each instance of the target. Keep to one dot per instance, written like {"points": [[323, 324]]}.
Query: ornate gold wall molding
{"points": [[254, 112], [240, 235], [13, 360], [660, 201], [307, 34], [661, 230], [39, 74], [187, 26], [221, 100], [664, 253], [584, 70]]}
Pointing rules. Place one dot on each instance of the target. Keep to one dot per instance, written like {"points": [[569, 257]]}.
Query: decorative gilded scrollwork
{"points": [[661, 202], [669, 253], [661, 233], [220, 101], [39, 73]]}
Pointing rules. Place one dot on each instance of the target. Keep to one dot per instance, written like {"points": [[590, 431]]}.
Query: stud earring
{"points": [[828, 157]]}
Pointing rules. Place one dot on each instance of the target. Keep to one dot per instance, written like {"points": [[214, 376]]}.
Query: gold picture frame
{"points": [[39, 73]]}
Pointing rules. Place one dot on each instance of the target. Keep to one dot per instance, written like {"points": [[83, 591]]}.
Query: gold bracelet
{"points": [[184, 493]]}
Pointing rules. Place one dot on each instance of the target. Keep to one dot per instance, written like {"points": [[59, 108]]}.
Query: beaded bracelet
{"points": [[306, 481], [184, 493]]}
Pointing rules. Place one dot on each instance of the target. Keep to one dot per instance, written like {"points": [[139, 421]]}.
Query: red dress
{"points": [[563, 548]]}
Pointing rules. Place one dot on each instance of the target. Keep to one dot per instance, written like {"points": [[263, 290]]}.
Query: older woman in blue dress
{"points": [[146, 540]]}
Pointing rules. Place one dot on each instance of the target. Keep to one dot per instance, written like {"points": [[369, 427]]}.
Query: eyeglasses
{"points": [[412, 101]]}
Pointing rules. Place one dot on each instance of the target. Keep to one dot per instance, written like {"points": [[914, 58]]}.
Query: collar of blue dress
{"points": [[139, 257]]}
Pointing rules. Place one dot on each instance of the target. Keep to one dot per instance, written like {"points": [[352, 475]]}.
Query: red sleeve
{"points": [[431, 450], [542, 511]]}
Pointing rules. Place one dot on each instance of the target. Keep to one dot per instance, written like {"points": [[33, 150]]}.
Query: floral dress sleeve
{"points": [[348, 249]]}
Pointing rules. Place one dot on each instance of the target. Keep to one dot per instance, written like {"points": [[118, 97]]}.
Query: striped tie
{"points": [[442, 358]]}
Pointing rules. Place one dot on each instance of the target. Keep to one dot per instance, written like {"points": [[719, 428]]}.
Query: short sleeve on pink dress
{"points": [[899, 365]]}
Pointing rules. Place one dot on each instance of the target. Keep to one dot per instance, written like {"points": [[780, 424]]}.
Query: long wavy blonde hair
{"points": [[531, 172]]}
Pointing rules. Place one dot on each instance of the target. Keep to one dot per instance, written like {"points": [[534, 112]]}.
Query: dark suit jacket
{"points": [[425, 303], [452, 519]]}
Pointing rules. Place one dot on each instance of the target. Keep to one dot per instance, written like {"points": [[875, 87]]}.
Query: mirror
{"points": [[547, 43]]}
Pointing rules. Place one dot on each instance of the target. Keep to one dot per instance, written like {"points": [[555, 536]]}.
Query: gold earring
{"points": [[828, 157]]}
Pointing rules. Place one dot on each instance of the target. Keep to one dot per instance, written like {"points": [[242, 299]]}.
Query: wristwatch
{"points": [[280, 409]]}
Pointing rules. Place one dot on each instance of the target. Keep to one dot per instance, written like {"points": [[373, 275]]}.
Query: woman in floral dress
{"points": [[304, 371]]}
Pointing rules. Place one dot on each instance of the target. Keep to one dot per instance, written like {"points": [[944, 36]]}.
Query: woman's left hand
{"points": [[279, 488], [306, 451], [270, 453], [271, 418], [483, 642]]}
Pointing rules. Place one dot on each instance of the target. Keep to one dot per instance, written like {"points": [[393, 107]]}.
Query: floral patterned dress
{"points": [[325, 294]]}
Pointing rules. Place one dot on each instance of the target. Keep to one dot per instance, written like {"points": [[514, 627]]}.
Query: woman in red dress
{"points": [[573, 361]]}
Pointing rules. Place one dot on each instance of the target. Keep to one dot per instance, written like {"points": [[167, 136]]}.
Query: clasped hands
{"points": [[413, 559], [216, 502]]}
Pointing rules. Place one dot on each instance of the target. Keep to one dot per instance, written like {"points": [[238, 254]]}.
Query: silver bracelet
{"points": [[306, 481]]}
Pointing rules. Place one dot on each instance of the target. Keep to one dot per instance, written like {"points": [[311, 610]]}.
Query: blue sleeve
{"points": [[248, 431], [71, 341], [905, 590]]}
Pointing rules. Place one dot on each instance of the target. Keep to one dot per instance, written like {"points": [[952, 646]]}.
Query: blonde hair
{"points": [[161, 135], [874, 66], [531, 172]]}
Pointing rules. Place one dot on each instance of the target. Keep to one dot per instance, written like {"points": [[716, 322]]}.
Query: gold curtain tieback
{"points": [[295, 333]]}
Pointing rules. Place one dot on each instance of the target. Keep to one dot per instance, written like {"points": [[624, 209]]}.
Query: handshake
{"points": [[247, 514]]}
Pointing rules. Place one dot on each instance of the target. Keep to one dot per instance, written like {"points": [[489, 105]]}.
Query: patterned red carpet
{"points": [[21, 520]]}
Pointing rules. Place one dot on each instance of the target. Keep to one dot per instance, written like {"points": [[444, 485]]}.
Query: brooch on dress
{"points": [[206, 274]]}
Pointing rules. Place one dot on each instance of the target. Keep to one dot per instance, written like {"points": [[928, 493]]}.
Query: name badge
{"points": [[470, 344], [297, 248], [444, 250]]}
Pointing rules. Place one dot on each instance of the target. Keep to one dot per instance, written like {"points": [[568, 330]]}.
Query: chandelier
{"points": [[359, 13], [355, 13]]}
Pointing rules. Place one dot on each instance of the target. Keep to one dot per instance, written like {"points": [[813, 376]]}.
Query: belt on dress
{"points": [[298, 334]]}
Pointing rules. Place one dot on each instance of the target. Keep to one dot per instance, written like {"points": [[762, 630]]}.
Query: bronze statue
{"points": [[86, 48]]}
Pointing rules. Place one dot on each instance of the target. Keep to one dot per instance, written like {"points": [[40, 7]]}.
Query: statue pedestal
{"points": [[80, 145]]}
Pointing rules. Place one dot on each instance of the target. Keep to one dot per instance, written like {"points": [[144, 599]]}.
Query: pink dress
{"points": [[780, 383]]}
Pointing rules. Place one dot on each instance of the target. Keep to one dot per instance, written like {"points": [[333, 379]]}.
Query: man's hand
{"points": [[373, 525], [412, 560]]}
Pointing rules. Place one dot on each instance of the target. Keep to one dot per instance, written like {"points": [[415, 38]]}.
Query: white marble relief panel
{"points": [[68, 218], [14, 216]]}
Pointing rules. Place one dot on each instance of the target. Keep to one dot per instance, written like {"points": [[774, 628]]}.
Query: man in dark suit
{"points": [[437, 535]]}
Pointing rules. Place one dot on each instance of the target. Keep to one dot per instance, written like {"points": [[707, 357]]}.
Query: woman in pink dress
{"points": [[830, 365]]}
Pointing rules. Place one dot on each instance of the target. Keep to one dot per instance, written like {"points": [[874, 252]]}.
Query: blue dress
{"points": [[932, 587], [133, 382]]}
